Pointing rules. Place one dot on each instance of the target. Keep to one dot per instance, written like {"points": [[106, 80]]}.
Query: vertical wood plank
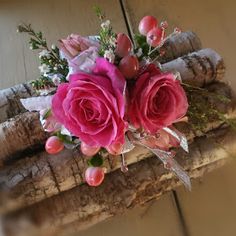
{"points": [[210, 208], [57, 19], [155, 218]]}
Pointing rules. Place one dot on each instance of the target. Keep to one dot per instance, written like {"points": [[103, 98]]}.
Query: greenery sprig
{"points": [[107, 37], [50, 59], [202, 110]]}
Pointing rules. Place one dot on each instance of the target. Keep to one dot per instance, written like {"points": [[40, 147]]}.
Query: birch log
{"points": [[10, 104], [35, 178], [180, 45], [175, 47], [19, 136], [145, 180], [198, 68]]}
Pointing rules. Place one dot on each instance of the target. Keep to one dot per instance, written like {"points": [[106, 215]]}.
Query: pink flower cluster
{"points": [[96, 106]]}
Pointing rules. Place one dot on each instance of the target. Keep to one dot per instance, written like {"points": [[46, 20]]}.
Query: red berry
{"points": [[123, 46], [88, 150], [94, 176], [146, 24], [129, 66], [54, 145], [155, 36]]}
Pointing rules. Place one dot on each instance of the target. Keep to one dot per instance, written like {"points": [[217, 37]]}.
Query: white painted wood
{"points": [[57, 19]]}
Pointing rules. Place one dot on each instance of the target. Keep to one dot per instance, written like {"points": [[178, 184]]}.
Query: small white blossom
{"points": [[44, 69], [53, 47], [56, 79], [105, 24], [139, 52], [112, 41], [109, 54], [44, 53]]}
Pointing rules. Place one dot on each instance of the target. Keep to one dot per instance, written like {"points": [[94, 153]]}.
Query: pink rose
{"points": [[91, 106], [74, 44], [156, 101]]}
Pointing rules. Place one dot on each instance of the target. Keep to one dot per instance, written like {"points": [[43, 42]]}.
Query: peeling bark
{"points": [[10, 104], [198, 68], [19, 136], [180, 45], [84, 206]]}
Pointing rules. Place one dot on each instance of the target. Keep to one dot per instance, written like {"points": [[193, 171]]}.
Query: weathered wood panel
{"points": [[57, 19]]}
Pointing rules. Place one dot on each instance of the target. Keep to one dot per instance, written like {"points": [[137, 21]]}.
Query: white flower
{"points": [[105, 24], [139, 52], [109, 54], [53, 47], [44, 69], [112, 41], [56, 79], [44, 53]]}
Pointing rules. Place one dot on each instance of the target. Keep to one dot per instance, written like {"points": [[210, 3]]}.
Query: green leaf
{"points": [[142, 43], [64, 138], [47, 114], [96, 161]]}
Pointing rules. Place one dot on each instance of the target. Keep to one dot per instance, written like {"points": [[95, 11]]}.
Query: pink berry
{"points": [[54, 145], [155, 36], [146, 24], [129, 66], [94, 176], [88, 150], [123, 46]]}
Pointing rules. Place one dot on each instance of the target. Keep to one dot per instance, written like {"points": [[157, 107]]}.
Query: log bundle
{"points": [[46, 195]]}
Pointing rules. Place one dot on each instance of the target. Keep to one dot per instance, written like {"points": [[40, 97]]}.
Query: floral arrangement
{"points": [[106, 93]]}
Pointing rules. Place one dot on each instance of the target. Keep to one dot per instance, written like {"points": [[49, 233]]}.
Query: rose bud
{"points": [[94, 176], [74, 44], [129, 66], [54, 145], [123, 46]]}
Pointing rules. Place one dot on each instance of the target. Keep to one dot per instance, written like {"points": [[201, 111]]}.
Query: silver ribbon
{"points": [[167, 157]]}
